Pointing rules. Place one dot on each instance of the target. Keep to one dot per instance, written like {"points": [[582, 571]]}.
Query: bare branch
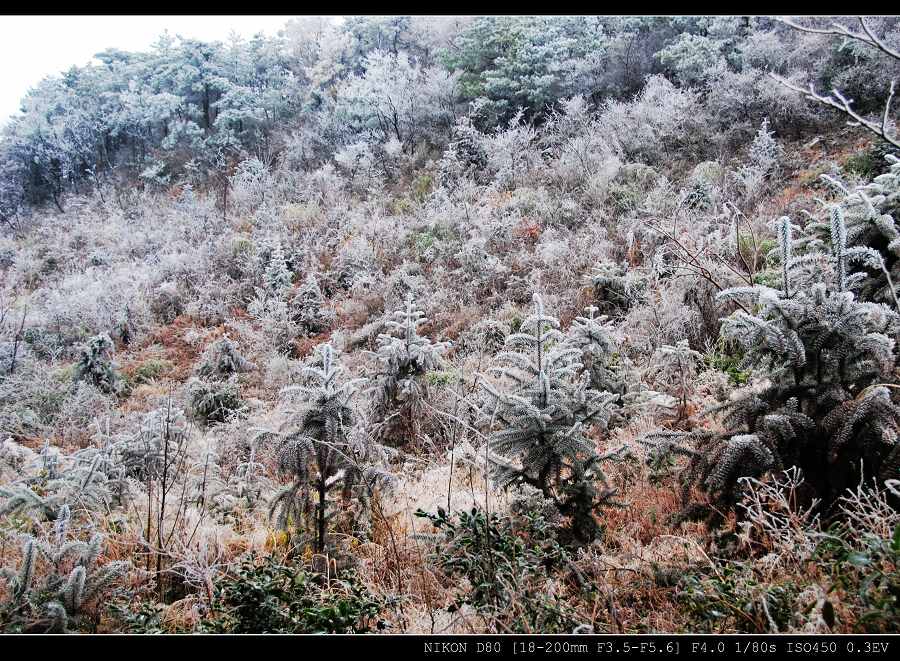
{"points": [[840, 30], [844, 105]]}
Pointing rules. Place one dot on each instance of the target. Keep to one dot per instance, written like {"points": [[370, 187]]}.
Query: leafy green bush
{"points": [[732, 598], [269, 597], [506, 561], [869, 163], [150, 370], [728, 362], [869, 570]]}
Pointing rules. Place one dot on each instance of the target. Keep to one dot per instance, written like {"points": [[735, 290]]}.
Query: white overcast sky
{"points": [[32, 47]]}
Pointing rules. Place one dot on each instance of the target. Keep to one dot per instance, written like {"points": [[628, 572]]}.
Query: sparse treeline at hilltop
{"points": [[456, 325]]}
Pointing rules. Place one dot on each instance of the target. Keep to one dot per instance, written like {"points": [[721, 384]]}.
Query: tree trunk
{"points": [[320, 533]]}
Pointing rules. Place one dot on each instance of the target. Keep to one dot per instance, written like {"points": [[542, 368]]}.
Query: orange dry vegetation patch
{"points": [[147, 396], [130, 363], [393, 560], [241, 313], [797, 193], [303, 346], [453, 323], [175, 349], [529, 231], [31, 442], [353, 314], [648, 521], [818, 155]]}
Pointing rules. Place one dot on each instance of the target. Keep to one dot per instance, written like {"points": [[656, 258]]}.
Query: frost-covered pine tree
{"points": [[599, 354], [270, 302], [400, 388], [829, 359], [616, 287], [762, 160], [277, 276], [222, 360], [216, 395], [870, 214], [56, 482], [539, 419], [214, 400], [54, 598], [314, 446], [676, 367], [307, 307]]}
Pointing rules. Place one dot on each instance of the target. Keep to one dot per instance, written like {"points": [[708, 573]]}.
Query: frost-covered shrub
{"points": [[222, 359], [277, 277], [487, 336], [142, 455], [762, 161], [659, 121], [628, 189], [250, 184], [14, 354], [511, 152], [55, 483], [15, 459], [705, 187], [358, 162], [167, 303], [274, 315], [353, 261], [95, 364], [407, 280], [90, 303]]}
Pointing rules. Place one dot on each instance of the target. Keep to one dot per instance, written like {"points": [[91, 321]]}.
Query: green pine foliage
{"points": [[400, 389], [316, 449], [829, 358], [540, 419], [308, 307], [214, 401], [72, 580]]}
